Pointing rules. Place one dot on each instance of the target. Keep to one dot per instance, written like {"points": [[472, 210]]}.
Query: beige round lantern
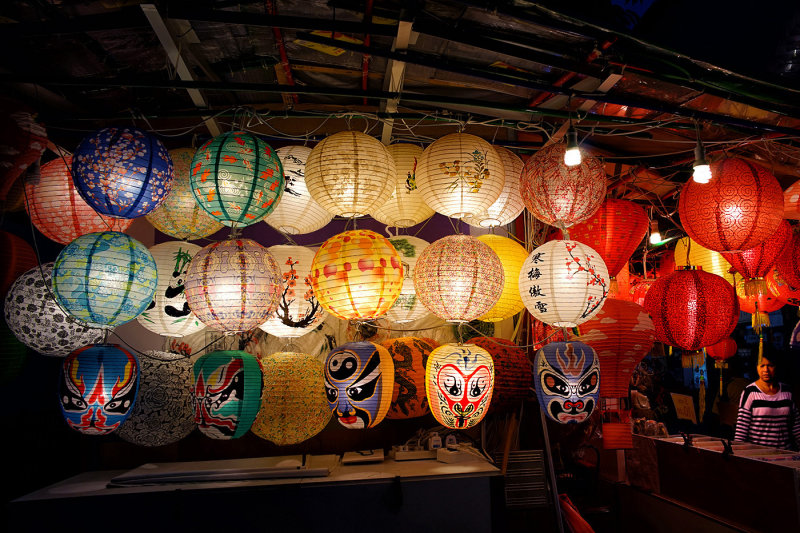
{"points": [[408, 308], [512, 255], [509, 205], [350, 174], [460, 175], [564, 283], [406, 207], [297, 212]]}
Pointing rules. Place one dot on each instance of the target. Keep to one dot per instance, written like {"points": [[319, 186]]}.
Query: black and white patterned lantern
{"points": [[163, 412], [39, 322]]}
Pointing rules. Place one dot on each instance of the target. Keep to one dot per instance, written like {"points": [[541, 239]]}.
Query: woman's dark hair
{"points": [[773, 355]]}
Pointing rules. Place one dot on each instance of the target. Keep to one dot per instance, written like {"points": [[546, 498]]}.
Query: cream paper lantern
{"points": [[298, 310], [509, 205], [406, 207], [460, 175], [564, 283], [688, 252], [169, 314], [512, 256], [297, 212], [408, 308], [350, 174]]}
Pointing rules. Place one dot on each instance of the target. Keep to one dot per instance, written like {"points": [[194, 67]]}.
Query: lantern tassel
{"points": [[760, 349], [755, 287]]}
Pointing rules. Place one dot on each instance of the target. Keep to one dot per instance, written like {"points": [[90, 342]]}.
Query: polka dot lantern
{"points": [[512, 256], [509, 204], [408, 308], [459, 380], [405, 207]]}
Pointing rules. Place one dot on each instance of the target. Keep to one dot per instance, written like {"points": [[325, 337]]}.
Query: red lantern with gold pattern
{"points": [[782, 290], [737, 210], [765, 303], [512, 372]]}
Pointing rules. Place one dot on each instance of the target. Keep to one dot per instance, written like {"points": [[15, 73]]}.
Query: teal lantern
{"points": [[237, 178], [227, 393], [105, 279]]}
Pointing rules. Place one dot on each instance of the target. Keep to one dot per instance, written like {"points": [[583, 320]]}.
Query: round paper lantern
{"points": [[294, 407], [350, 174], [791, 201], [639, 290], [357, 275], [179, 215], [787, 263], [98, 388], [58, 211], [408, 308], [36, 319], [18, 257], [408, 395], [512, 256], [508, 205], [298, 310], [233, 285], [567, 381], [359, 379], [237, 178], [226, 393], [615, 230], [122, 172], [297, 212], [169, 314], [512, 372], [405, 207], [689, 253], [563, 283], [105, 278], [458, 278], [782, 290], [560, 195], [692, 309], [162, 413], [722, 350], [757, 261], [459, 380], [737, 210], [460, 175], [756, 302]]}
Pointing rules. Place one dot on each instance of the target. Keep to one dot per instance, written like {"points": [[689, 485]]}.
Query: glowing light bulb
{"points": [[572, 156], [702, 171], [655, 235]]}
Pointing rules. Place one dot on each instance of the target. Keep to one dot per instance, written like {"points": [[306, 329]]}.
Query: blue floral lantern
{"points": [[105, 279], [122, 172]]}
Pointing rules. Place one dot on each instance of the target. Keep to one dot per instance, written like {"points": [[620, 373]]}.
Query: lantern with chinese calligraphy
{"points": [[512, 372], [689, 253], [406, 207], [459, 380], [782, 290], [410, 354], [408, 308], [512, 256], [509, 205], [567, 381]]}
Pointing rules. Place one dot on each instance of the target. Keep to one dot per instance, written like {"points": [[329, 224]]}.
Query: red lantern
{"points": [[666, 265], [639, 290], [692, 309], [722, 350], [737, 210], [766, 303], [756, 262], [512, 372], [782, 290], [791, 201], [787, 263]]}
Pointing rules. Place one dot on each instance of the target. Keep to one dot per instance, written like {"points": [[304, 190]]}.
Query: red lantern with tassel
{"points": [[758, 304], [720, 353], [755, 263]]}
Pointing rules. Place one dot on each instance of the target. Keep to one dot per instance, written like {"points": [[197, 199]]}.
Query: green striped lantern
{"points": [[237, 178], [105, 279], [226, 393]]}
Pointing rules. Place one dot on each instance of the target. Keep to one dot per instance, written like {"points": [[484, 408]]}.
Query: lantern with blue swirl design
{"points": [[459, 380], [567, 381]]}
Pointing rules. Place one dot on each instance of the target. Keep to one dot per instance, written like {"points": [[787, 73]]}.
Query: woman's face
{"points": [[766, 370]]}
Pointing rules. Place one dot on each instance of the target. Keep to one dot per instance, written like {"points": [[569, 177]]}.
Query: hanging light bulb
{"points": [[655, 235], [702, 171], [572, 156]]}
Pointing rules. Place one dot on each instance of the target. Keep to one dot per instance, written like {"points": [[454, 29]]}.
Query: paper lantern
{"points": [[162, 413], [298, 310], [105, 279], [359, 379], [458, 278], [179, 215], [233, 285], [405, 207], [782, 290], [459, 380], [560, 195], [508, 205], [407, 307], [757, 261], [692, 309], [737, 210], [567, 381], [98, 388], [226, 393], [357, 275], [122, 172], [18, 257], [512, 256], [622, 283], [722, 350], [32, 313], [639, 290], [615, 230], [297, 212], [237, 178], [410, 354], [756, 302], [350, 174], [787, 263], [563, 283], [294, 406], [689, 253], [460, 175], [58, 211], [791, 201], [512, 373]]}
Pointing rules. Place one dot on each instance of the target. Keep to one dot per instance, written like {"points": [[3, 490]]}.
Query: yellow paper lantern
{"points": [[408, 308], [350, 174], [406, 207], [357, 275], [509, 205], [700, 256], [459, 380], [512, 256], [460, 175]]}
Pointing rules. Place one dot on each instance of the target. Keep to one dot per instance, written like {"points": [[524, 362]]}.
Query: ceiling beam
{"points": [[396, 71]]}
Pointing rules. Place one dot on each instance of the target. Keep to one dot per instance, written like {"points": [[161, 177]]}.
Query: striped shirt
{"points": [[768, 420]]}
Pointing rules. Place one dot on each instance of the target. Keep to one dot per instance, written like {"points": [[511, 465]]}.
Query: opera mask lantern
{"points": [[459, 380], [567, 381]]}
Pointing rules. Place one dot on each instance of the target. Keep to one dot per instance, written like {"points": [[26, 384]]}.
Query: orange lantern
{"points": [[782, 290], [724, 349], [410, 355], [759, 305]]}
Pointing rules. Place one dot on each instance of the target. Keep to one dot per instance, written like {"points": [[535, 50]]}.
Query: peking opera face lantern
{"points": [[567, 381], [459, 381]]}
